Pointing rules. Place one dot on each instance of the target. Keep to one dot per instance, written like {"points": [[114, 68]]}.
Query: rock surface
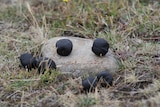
{"points": [[81, 60]]}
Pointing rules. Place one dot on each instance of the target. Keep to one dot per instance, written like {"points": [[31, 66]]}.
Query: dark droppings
{"points": [[44, 63], [28, 61], [89, 84], [64, 47], [100, 47], [105, 77]]}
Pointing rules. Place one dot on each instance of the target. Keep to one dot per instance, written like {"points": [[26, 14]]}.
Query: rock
{"points": [[81, 60]]}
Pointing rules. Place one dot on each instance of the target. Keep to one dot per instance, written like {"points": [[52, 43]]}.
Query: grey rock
{"points": [[81, 59]]}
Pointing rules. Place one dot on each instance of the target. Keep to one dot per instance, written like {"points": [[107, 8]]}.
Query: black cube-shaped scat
{"points": [[89, 84], [28, 61], [106, 77], [100, 47], [64, 47], [44, 64]]}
